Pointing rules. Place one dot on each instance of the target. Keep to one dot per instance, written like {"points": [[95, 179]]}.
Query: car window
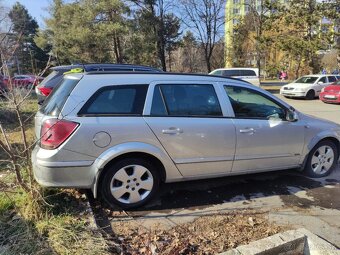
{"points": [[250, 104], [56, 100], [331, 79], [117, 100], [229, 73], [185, 100], [217, 72], [323, 79], [247, 73]]}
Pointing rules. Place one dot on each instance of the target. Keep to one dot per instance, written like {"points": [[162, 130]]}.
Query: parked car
{"points": [[26, 81], [250, 75], [55, 77], [331, 93], [122, 134], [308, 86], [6, 80]]}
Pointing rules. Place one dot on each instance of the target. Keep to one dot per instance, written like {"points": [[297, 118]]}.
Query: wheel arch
{"points": [[315, 142], [163, 162]]}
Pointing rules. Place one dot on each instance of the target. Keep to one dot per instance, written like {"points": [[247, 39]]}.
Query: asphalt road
{"points": [[289, 197]]}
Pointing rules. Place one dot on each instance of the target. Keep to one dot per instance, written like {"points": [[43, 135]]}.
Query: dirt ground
{"points": [[205, 235]]}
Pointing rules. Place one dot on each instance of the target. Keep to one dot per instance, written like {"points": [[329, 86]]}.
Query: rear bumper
{"points": [[75, 174]]}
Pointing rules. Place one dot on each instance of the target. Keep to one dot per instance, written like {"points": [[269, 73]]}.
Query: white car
{"points": [[308, 86], [250, 75]]}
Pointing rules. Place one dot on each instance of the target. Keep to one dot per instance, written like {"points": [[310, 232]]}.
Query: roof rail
{"points": [[162, 73]]}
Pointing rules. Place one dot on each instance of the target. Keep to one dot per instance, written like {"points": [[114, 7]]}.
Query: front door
{"points": [[265, 139]]}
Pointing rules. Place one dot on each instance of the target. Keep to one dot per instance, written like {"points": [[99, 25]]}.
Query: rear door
{"points": [[188, 120]]}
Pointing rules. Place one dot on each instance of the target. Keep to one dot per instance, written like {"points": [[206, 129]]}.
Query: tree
{"points": [[206, 19], [24, 28], [165, 25]]}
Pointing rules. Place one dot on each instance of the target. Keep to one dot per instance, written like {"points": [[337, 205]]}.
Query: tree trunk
{"points": [[297, 70]]}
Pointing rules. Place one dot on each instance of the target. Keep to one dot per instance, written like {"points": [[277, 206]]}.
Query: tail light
{"points": [[45, 91], [54, 132]]}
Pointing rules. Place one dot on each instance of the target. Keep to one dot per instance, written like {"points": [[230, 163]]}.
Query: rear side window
{"points": [[116, 100], [55, 101], [185, 100], [331, 79]]}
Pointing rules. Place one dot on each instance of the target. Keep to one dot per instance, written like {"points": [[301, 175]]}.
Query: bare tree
{"points": [[206, 20]]}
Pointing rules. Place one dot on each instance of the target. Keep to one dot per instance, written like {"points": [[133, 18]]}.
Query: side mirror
{"points": [[320, 82], [291, 116]]}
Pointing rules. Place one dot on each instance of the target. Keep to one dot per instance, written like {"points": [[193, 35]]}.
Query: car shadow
{"points": [[201, 194]]}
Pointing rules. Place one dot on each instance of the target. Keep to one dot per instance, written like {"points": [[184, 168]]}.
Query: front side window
{"points": [[323, 79], [116, 100], [250, 104], [185, 100]]}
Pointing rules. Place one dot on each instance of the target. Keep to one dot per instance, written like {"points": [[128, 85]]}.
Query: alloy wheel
{"points": [[131, 184]]}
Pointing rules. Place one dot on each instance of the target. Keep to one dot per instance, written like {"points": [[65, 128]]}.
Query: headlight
{"points": [[323, 90]]}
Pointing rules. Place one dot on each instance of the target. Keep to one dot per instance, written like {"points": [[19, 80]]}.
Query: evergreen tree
{"points": [[24, 28]]}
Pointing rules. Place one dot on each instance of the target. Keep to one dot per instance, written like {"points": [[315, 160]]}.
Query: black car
{"points": [[52, 80]]}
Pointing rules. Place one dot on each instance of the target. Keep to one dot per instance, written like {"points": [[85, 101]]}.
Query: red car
{"points": [[331, 93], [25, 80]]}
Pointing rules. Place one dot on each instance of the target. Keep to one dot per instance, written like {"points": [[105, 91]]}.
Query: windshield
{"points": [[307, 79]]}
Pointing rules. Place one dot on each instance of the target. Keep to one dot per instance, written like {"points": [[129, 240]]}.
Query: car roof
{"points": [[154, 76], [237, 68], [317, 75], [89, 67]]}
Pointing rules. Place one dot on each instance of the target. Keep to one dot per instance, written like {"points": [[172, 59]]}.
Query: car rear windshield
{"points": [[55, 101], [307, 79], [236, 72]]}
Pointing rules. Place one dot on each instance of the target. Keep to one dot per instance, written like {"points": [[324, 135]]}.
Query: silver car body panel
{"points": [[202, 147]]}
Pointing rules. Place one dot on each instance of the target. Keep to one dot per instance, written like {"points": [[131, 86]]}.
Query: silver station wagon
{"points": [[123, 134]]}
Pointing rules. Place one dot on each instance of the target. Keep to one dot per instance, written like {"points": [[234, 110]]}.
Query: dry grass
{"points": [[63, 227]]}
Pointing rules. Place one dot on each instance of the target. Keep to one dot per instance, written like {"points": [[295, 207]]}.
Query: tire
{"points": [[310, 95], [322, 159], [135, 181]]}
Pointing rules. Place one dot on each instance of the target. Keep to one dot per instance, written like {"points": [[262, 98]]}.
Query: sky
{"points": [[36, 8]]}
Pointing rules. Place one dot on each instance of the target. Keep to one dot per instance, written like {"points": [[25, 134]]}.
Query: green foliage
{"points": [[24, 28], [294, 28], [106, 31]]}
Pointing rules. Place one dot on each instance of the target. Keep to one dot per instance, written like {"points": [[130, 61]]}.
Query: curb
{"points": [[300, 241]]}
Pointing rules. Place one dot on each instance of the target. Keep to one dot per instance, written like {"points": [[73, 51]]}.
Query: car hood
{"points": [[332, 88], [297, 85]]}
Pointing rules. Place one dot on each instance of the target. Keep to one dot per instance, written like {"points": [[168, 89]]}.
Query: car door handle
{"points": [[172, 131], [247, 130]]}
